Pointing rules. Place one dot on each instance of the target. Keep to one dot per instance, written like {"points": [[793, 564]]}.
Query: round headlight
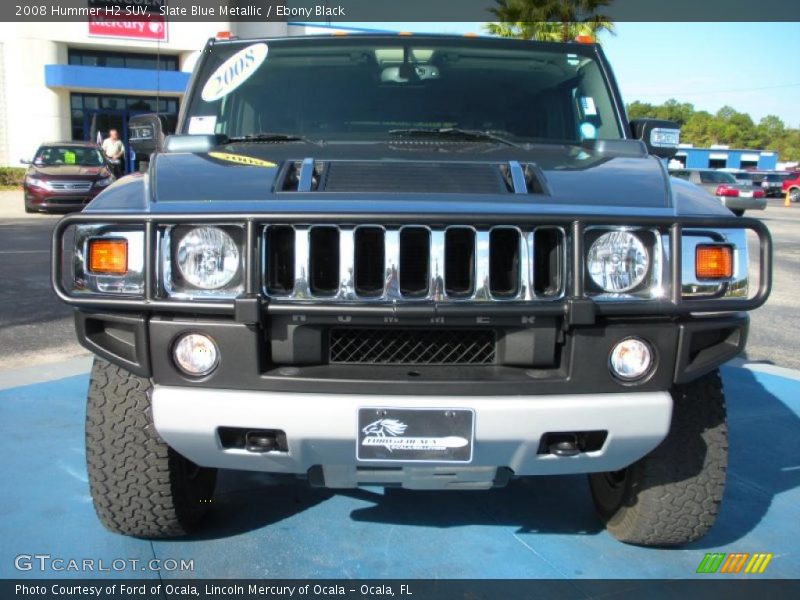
{"points": [[631, 359], [207, 258], [196, 354], [617, 261]]}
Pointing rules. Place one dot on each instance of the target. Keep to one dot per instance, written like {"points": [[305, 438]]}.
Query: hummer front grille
{"points": [[413, 262]]}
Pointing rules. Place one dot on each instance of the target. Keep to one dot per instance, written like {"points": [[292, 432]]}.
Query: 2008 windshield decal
{"points": [[234, 72]]}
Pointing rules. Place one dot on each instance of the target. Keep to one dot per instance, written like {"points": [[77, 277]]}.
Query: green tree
{"points": [[549, 20], [727, 126]]}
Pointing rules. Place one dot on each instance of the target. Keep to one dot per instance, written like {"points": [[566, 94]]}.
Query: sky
{"points": [[749, 66]]}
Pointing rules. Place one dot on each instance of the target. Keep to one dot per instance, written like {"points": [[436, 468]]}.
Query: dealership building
{"points": [[723, 157], [73, 80]]}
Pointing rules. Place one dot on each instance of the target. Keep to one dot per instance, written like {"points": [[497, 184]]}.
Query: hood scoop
{"points": [[301, 176], [410, 177]]}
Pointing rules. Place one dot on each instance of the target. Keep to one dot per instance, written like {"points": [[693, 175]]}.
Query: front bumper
{"points": [[321, 433], [38, 199], [738, 203]]}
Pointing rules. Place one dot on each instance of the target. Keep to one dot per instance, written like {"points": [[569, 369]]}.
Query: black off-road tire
{"points": [[139, 485], [672, 496]]}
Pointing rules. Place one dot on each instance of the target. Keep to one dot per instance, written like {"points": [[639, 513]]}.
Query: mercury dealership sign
{"points": [[131, 19]]}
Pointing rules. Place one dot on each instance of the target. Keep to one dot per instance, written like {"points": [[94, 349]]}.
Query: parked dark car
{"points": [[735, 196], [65, 176], [745, 177], [772, 182]]}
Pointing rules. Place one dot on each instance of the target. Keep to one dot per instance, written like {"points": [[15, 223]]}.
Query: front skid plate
{"points": [[321, 429]]}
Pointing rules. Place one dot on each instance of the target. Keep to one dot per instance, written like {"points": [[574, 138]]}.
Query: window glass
{"points": [[366, 89], [112, 102], [129, 60], [68, 155], [716, 177]]}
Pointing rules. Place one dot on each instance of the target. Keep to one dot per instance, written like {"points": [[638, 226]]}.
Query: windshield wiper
{"points": [[453, 133], [270, 137]]}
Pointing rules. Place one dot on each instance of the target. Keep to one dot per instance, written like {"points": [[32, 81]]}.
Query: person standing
{"points": [[114, 150]]}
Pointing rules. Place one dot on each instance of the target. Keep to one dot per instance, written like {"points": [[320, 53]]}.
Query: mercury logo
{"points": [[388, 432]]}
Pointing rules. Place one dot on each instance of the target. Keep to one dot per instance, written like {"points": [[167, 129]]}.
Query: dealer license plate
{"points": [[415, 435]]}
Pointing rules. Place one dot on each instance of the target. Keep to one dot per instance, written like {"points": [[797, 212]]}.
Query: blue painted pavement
{"points": [[536, 528]]}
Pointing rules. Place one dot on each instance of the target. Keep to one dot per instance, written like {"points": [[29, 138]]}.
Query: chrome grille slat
{"points": [[70, 186], [526, 265], [482, 283], [347, 284], [391, 245], [439, 251], [436, 268], [301, 285]]}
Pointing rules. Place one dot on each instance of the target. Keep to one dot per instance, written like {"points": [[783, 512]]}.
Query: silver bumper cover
{"points": [[741, 203], [321, 431]]}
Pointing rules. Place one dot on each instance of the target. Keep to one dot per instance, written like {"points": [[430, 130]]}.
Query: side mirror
{"points": [[25, 161], [661, 137], [146, 133]]}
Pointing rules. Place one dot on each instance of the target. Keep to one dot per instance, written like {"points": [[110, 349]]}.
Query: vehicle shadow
{"points": [[548, 504]]}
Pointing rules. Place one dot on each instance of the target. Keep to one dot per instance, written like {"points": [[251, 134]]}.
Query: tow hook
{"points": [[565, 446], [260, 441]]}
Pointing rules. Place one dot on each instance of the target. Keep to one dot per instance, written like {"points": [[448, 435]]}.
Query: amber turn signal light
{"points": [[713, 262], [108, 257]]}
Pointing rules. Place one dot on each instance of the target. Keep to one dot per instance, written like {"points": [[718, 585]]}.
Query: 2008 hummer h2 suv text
{"points": [[432, 262]]}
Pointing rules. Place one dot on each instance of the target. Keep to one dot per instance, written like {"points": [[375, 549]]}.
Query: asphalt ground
{"points": [[36, 328]]}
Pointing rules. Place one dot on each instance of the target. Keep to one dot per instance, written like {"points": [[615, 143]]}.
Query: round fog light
{"points": [[196, 354], [631, 359]]}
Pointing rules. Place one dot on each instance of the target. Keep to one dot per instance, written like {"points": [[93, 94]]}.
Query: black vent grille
{"points": [[412, 177], [389, 346]]}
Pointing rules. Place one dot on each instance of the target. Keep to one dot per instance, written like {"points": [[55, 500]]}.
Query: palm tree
{"points": [[549, 20]]}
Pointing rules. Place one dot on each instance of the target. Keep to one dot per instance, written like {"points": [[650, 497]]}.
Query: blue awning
{"points": [[110, 78]]}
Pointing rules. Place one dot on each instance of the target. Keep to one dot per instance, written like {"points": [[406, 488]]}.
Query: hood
{"points": [[69, 171], [620, 174]]}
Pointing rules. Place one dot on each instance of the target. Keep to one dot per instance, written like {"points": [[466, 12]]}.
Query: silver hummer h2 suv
{"points": [[418, 261]]}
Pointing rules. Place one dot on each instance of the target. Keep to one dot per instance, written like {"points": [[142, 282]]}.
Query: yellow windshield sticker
{"points": [[69, 157], [242, 160]]}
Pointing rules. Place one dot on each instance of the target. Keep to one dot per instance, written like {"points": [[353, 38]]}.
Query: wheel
{"points": [[29, 210], [672, 495], [794, 194], [139, 485], [738, 212]]}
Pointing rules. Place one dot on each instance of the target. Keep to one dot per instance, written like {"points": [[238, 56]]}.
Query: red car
{"points": [[65, 176], [792, 185]]}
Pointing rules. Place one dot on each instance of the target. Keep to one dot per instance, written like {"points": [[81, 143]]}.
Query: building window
{"points": [[122, 60], [104, 111], [717, 163]]}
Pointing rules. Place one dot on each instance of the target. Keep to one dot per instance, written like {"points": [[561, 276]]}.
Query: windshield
{"points": [[68, 155], [351, 89]]}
